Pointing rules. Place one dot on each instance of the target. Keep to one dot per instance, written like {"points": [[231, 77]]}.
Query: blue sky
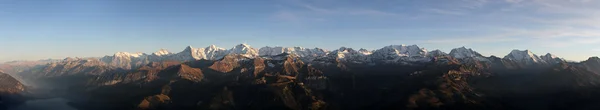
{"points": [[41, 29]]}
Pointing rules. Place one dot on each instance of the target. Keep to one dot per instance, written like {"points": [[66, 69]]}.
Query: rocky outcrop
{"points": [[10, 91]]}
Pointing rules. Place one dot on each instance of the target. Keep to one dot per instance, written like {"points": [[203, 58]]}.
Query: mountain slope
{"points": [[10, 91], [393, 77]]}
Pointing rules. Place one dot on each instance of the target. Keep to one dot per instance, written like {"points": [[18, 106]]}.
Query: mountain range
{"points": [[390, 54], [296, 78]]}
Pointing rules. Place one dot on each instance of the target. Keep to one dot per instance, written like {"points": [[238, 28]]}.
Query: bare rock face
{"points": [[230, 62], [154, 102], [10, 85], [593, 64], [10, 91], [183, 72]]}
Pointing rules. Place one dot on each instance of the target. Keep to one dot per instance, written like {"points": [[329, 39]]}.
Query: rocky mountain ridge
{"points": [[394, 77], [390, 54]]}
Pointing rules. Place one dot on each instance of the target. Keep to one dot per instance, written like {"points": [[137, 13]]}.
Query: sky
{"points": [[42, 29]]}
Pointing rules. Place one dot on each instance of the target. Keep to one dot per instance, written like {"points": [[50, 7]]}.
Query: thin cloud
{"points": [[473, 4], [347, 11], [467, 40], [471, 39], [514, 1], [372, 13], [445, 12], [287, 16], [296, 10], [318, 9]]}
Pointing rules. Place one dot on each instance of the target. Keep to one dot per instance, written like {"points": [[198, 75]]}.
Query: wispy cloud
{"points": [[287, 16], [472, 39], [468, 40], [473, 4], [318, 9], [514, 1], [551, 37], [445, 12], [370, 12], [301, 10]]}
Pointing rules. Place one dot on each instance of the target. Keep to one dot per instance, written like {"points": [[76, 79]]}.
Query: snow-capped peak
{"points": [[270, 51], [365, 51], [524, 56], [126, 54], [402, 50], [400, 53], [244, 49], [594, 59], [162, 52], [548, 55], [212, 46], [549, 58], [463, 52], [348, 54], [345, 49], [188, 49], [213, 52], [436, 53], [243, 45], [304, 53]]}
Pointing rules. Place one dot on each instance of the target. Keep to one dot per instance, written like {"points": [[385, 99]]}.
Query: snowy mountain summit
{"points": [[524, 57], [162, 52], [245, 50], [551, 59], [463, 52], [398, 54]]}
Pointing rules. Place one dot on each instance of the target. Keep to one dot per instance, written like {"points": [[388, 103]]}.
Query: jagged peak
{"points": [[188, 49], [127, 54], [463, 48], [345, 49], [213, 47], [521, 52], [244, 49], [438, 52], [402, 46], [524, 55], [298, 47], [242, 45], [162, 52], [365, 51], [548, 55], [320, 49], [464, 52], [395, 52], [594, 58]]}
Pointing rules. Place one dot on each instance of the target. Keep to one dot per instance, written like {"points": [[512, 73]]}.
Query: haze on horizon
{"points": [[42, 29]]}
